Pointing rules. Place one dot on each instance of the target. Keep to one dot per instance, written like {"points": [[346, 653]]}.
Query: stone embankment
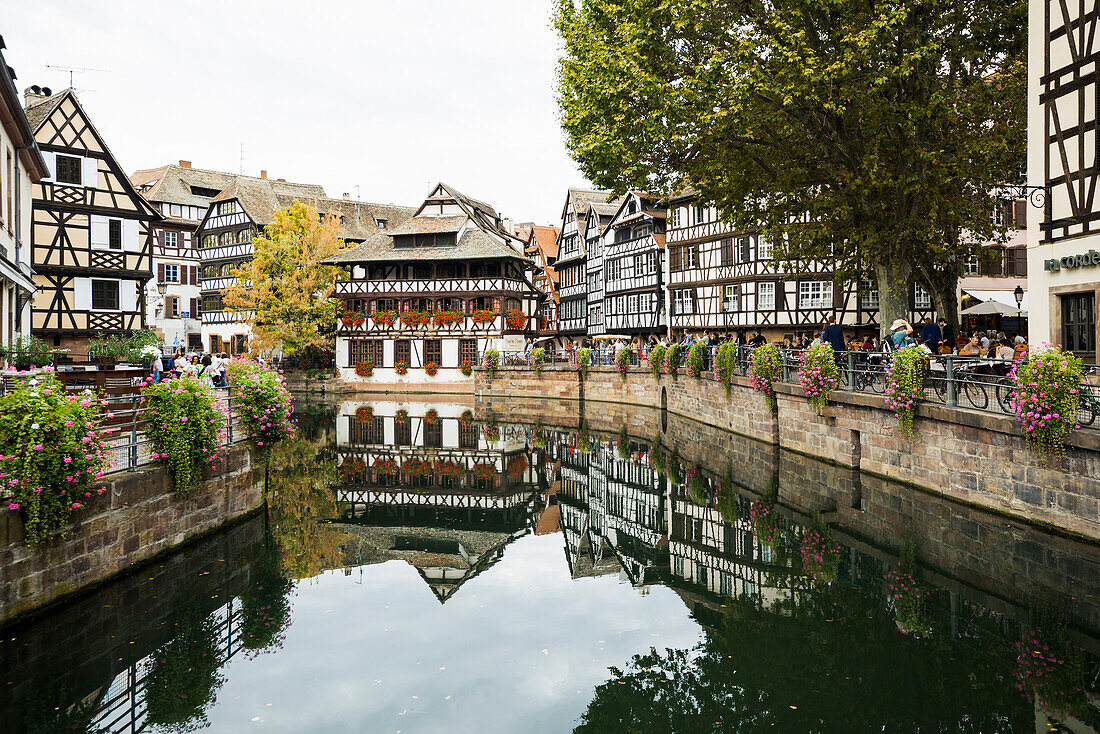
{"points": [[973, 457], [136, 519]]}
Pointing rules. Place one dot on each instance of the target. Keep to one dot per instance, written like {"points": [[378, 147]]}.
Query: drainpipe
{"points": [[24, 302]]}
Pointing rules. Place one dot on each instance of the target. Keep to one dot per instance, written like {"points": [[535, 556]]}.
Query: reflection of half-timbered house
{"points": [[182, 195], [542, 248], [21, 166], [91, 238], [571, 264], [441, 288], [633, 254], [723, 280]]}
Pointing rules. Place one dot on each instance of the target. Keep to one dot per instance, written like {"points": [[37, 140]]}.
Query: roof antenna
{"points": [[77, 69], [241, 170]]}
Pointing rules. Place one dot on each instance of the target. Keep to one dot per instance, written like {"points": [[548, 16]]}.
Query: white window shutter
{"points": [[99, 230], [127, 292], [130, 235], [51, 165], [89, 171]]}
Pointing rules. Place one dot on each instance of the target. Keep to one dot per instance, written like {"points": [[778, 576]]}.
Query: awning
{"points": [[12, 273], [1008, 298]]}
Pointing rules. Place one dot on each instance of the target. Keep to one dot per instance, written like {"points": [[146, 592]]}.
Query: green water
{"points": [[424, 572]]}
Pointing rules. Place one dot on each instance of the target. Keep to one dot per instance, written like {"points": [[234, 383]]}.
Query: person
{"points": [[947, 335], [901, 334], [930, 335], [1005, 352], [833, 335], [973, 348], [757, 339], [158, 368], [985, 340], [869, 344], [1019, 349], [204, 371]]}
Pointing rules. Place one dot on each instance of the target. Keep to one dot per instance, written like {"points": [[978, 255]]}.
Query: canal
{"points": [[431, 566]]}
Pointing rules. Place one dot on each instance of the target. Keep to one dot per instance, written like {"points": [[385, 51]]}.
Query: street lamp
{"points": [[162, 288], [1019, 293]]}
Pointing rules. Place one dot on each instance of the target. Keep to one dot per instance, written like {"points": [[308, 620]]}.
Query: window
{"points": [[433, 434], [10, 188], [171, 239], [683, 301], [815, 294], [365, 350], [105, 295], [731, 298], [68, 170], [370, 433], [174, 307], [727, 251], [700, 214], [240, 344], [921, 299], [225, 207], [678, 566], [402, 351], [1079, 323], [765, 296], [868, 295], [402, 433], [971, 267], [763, 249], [171, 273], [467, 350], [725, 583], [433, 351], [1016, 262], [114, 234], [381, 223], [689, 257], [997, 216]]}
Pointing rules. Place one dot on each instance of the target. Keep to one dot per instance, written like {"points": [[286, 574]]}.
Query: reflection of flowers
{"points": [[401, 367], [820, 554], [484, 472], [466, 419], [402, 416], [183, 674], [905, 595], [1049, 670], [265, 607], [431, 368], [466, 368], [766, 521], [382, 467], [517, 465], [417, 467], [491, 432], [353, 469], [449, 468], [364, 414], [431, 417]]}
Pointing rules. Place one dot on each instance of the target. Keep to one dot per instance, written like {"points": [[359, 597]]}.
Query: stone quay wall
{"points": [[136, 519], [969, 456]]}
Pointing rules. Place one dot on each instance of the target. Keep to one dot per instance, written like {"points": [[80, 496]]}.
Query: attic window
{"points": [[381, 223], [439, 239], [203, 191], [631, 207]]}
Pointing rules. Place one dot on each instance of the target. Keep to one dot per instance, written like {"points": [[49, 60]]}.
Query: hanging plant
{"points": [[431, 417], [905, 595], [183, 675], [727, 504], [352, 319], [657, 361], [517, 465], [696, 485], [364, 414], [583, 441], [186, 427], [672, 359], [261, 401], [491, 361], [448, 318], [431, 368], [538, 359], [820, 553], [364, 368], [725, 362], [353, 469], [1050, 667], [51, 454], [1046, 398], [766, 521], [818, 375], [584, 361], [466, 419], [765, 367], [622, 360], [491, 432], [466, 368], [413, 319], [401, 367], [384, 467], [384, 318], [696, 360], [515, 318], [657, 455], [484, 316], [905, 386], [673, 469], [538, 437]]}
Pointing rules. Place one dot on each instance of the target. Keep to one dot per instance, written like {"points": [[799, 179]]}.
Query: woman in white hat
{"points": [[901, 333]]}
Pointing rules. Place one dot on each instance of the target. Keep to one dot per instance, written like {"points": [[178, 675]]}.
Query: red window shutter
{"points": [[160, 273]]}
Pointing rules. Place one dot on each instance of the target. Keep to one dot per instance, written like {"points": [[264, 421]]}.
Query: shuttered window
{"points": [[433, 351], [68, 170], [402, 351], [114, 234], [364, 350]]}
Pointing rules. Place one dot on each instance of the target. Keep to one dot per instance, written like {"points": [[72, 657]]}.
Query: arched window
{"points": [[227, 238], [209, 240], [226, 269], [210, 271], [481, 303], [245, 235], [418, 304], [449, 304]]}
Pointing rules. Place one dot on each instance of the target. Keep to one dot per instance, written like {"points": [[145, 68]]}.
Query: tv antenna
{"points": [[76, 70], [241, 169]]}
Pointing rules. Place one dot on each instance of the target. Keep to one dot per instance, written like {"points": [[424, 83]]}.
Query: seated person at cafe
{"points": [[973, 348], [901, 334]]}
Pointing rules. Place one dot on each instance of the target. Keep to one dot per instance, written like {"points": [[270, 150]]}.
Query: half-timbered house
{"points": [[572, 262], [182, 195], [239, 213], [21, 166], [1064, 172], [441, 288], [596, 221], [542, 248], [633, 256], [91, 239], [721, 279]]}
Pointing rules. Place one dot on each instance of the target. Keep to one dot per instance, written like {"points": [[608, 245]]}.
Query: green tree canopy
{"points": [[864, 133]]}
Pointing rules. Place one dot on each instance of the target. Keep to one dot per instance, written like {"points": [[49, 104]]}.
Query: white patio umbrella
{"points": [[987, 308]]}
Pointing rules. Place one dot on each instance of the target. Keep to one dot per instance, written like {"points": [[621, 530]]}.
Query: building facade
{"points": [[572, 262], [633, 251], [91, 237], [596, 221], [542, 247], [441, 288], [21, 166], [1064, 243]]}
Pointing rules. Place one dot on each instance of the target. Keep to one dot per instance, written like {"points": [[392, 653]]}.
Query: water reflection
{"points": [[452, 573]]}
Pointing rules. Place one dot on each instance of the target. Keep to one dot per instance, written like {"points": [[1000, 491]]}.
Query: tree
{"points": [[867, 134], [285, 292]]}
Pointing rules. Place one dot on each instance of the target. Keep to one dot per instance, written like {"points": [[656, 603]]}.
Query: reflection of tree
{"points": [[265, 607], [183, 674], [53, 711], [300, 478], [838, 665]]}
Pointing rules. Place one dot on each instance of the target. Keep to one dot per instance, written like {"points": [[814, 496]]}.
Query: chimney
{"points": [[263, 175], [34, 94], [185, 164], [347, 196], [281, 180]]}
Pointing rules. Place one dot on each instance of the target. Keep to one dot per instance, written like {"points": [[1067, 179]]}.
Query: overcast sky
{"points": [[391, 96]]}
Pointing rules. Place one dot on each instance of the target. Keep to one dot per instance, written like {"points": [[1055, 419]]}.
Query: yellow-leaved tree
{"points": [[284, 292]]}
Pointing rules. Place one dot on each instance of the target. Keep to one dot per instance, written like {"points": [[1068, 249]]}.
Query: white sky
{"points": [[391, 96]]}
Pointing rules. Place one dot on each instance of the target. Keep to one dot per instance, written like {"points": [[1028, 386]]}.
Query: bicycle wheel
{"points": [[1086, 414], [876, 380], [1005, 388], [938, 385], [975, 393]]}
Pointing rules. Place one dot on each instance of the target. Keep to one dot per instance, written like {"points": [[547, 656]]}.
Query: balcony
{"points": [[433, 286], [635, 245]]}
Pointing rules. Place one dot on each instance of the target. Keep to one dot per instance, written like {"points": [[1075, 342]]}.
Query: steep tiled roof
{"points": [[546, 239], [173, 184], [358, 219], [474, 244], [38, 113], [429, 225]]}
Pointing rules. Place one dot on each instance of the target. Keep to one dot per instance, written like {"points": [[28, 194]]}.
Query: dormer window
{"points": [[631, 207], [68, 170], [381, 223]]}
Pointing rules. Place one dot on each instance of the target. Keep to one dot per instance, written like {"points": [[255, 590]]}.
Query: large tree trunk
{"points": [[893, 280], [943, 286]]}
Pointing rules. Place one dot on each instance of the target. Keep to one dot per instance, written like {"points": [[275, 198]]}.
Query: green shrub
{"points": [[672, 359], [262, 402], [725, 364], [26, 352], [657, 361], [696, 359], [186, 427]]}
